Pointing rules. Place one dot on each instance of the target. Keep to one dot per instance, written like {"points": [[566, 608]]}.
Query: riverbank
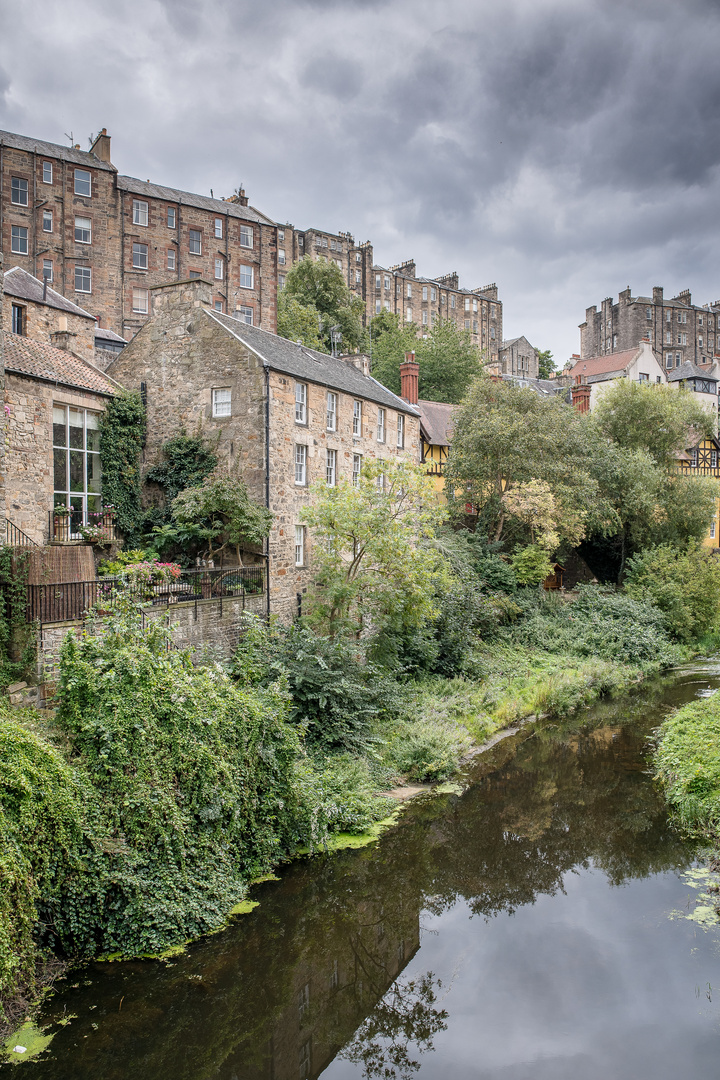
{"points": [[687, 764], [59, 773]]}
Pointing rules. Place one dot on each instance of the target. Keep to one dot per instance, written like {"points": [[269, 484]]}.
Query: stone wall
{"points": [[210, 627], [43, 320], [28, 448], [287, 500]]}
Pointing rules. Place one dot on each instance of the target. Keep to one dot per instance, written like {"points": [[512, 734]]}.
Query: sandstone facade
{"points": [[678, 330], [201, 371]]}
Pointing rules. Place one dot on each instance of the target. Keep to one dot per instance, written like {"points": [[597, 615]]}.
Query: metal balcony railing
{"points": [[67, 601]]}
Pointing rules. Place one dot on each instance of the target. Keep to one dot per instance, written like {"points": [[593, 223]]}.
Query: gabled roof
{"points": [[54, 150], [279, 354], [24, 286], [546, 387], [104, 334], [514, 341], [597, 365], [689, 370], [189, 198], [436, 422], [23, 356]]}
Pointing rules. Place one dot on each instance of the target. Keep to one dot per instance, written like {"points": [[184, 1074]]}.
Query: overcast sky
{"points": [[564, 149]]}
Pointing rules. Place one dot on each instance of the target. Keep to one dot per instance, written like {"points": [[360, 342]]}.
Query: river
{"points": [[520, 928]]}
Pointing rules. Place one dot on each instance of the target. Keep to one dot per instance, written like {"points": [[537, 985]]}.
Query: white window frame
{"points": [[219, 270], [425, 292], [387, 282], [246, 314], [331, 417], [218, 228], [139, 297], [356, 469], [357, 418], [47, 172], [408, 314], [48, 264], [401, 431], [221, 401], [424, 317], [409, 291], [140, 213], [247, 276], [299, 545], [84, 499], [171, 217], [16, 188], [301, 406], [171, 261], [85, 231], [140, 256], [358, 277], [82, 183], [246, 237], [467, 303], [378, 307], [281, 256], [85, 273], [300, 465], [195, 237], [47, 219], [281, 236], [330, 467], [381, 425], [378, 279], [712, 529]]}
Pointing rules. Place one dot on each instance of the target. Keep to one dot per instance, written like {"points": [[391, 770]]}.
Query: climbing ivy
{"points": [[186, 461], [17, 638], [122, 430]]}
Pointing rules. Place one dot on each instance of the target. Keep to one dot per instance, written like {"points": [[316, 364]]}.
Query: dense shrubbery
{"points": [[599, 623], [684, 583], [136, 819], [688, 764], [336, 697]]}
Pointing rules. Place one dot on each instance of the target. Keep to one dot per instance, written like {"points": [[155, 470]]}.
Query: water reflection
{"points": [[329, 964]]}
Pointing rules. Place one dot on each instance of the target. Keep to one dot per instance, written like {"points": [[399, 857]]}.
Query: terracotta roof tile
{"points": [[38, 360], [598, 365]]}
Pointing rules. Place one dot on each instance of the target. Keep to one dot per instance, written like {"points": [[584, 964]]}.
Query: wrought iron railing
{"points": [[16, 537], [90, 527], [67, 601]]}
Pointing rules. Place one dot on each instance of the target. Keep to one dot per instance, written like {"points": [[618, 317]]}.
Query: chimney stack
{"points": [[581, 397], [409, 372], [101, 146]]}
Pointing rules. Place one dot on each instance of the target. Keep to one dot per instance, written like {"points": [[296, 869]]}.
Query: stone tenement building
{"points": [[678, 330], [427, 301], [107, 239], [284, 414], [519, 357]]}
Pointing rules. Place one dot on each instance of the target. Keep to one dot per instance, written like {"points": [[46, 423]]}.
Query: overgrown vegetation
{"points": [[687, 762], [17, 638], [122, 431]]}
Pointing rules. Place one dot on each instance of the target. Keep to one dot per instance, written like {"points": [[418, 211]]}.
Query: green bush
{"points": [[41, 835], [600, 623], [531, 565], [336, 794], [687, 762], [427, 749], [336, 698], [684, 583], [116, 565]]}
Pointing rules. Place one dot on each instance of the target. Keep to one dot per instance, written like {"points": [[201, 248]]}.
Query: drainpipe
{"points": [[34, 212], [267, 481]]}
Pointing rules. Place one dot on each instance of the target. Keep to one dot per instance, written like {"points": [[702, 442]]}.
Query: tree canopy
{"points": [[369, 552], [298, 322], [320, 287], [448, 360], [546, 364]]}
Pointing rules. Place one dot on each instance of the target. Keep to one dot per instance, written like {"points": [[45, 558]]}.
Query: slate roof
{"points": [[279, 354], [40, 361], [436, 422], [688, 370], [605, 376], [109, 335], [55, 150], [24, 286], [188, 198], [547, 387]]}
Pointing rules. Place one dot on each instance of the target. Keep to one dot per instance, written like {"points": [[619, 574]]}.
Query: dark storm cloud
{"points": [[564, 148]]}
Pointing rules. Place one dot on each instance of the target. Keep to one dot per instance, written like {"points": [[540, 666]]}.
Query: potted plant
{"points": [[61, 522], [95, 534]]}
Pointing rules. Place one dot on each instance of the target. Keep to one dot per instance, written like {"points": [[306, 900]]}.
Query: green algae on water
{"points": [[26, 1043]]}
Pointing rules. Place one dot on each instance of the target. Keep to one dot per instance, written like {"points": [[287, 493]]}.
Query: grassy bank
{"points": [[687, 762], [135, 818]]}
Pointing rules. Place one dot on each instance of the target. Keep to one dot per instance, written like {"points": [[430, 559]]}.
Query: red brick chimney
{"points": [[409, 379], [581, 397]]}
